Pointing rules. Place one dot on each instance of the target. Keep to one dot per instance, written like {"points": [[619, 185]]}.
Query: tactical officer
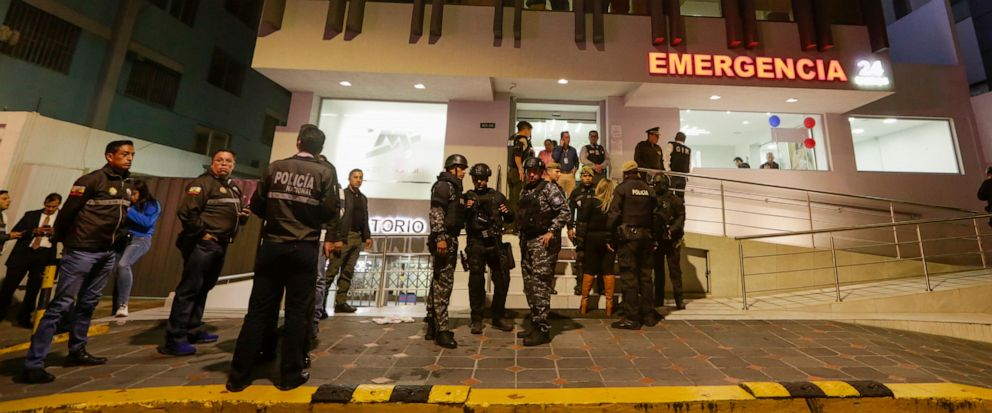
{"points": [[585, 191], [647, 153], [543, 212], [669, 225], [486, 212], [210, 213], [518, 150], [678, 158], [92, 231], [630, 223], [447, 218], [594, 155], [297, 198]]}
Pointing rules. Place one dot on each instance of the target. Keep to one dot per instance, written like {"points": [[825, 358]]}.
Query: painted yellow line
{"points": [[939, 391], [449, 394], [95, 330], [837, 389], [372, 393], [766, 389], [486, 397], [262, 395]]}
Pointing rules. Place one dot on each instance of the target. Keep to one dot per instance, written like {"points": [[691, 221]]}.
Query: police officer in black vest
{"points": [[518, 149], [669, 228], [594, 156], [486, 211], [447, 218], [297, 199], [678, 158], [630, 221]]}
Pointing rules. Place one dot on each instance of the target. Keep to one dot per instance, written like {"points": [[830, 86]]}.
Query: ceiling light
{"points": [[745, 123], [419, 86], [852, 119], [688, 111], [344, 83], [715, 97], [889, 121], [694, 131], [791, 100], [858, 131], [728, 112], [562, 81]]}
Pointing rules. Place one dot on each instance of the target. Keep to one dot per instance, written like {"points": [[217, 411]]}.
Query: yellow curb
{"points": [[94, 330], [939, 391], [262, 395], [578, 396], [449, 394], [837, 389], [372, 393], [766, 389]]}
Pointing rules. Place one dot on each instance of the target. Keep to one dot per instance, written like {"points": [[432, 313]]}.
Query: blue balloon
{"points": [[774, 121]]}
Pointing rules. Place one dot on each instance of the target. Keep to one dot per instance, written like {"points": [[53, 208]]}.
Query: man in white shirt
{"points": [[32, 252]]}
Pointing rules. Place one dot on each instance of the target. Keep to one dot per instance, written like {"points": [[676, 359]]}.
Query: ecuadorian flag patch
{"points": [[194, 190], [77, 190]]}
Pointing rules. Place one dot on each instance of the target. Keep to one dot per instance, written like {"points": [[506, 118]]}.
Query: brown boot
{"points": [[609, 284], [587, 281]]}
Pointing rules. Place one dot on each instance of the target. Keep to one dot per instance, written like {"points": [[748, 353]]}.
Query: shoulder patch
{"points": [[77, 190], [194, 190]]}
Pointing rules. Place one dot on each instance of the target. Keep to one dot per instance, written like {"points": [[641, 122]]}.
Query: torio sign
{"points": [[745, 67]]}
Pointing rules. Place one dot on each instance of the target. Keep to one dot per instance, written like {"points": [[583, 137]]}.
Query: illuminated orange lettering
{"points": [[680, 65], [785, 69], [704, 64], [765, 68], [722, 66], [805, 68], [657, 64], [821, 74], [744, 66], [836, 72]]}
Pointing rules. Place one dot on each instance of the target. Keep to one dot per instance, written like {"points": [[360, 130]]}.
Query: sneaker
{"points": [[202, 337], [121, 311], [179, 349]]}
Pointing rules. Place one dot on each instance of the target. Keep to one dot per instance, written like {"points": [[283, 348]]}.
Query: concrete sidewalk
{"points": [[584, 353]]}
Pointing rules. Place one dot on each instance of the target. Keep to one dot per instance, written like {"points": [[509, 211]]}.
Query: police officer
{"points": [[92, 231], [647, 153], [585, 191], [297, 198], [677, 157], [447, 218], [210, 213], [542, 214], [669, 222], [518, 150], [594, 156], [486, 212], [630, 223]]}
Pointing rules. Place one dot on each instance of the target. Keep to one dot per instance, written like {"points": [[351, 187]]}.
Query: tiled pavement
{"points": [[584, 353]]}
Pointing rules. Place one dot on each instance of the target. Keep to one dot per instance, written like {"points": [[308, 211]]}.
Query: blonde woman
{"points": [[598, 258]]}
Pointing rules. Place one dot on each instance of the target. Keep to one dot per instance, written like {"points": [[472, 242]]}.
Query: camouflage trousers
{"points": [[537, 263], [442, 283]]}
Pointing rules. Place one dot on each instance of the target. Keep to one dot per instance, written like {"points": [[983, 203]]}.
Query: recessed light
{"points": [[344, 83], [858, 131], [419, 86], [791, 100], [562, 81], [688, 111], [889, 121], [715, 97], [728, 112], [745, 123]]}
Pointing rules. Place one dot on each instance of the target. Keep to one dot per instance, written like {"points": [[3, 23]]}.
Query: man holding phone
{"points": [[33, 251]]}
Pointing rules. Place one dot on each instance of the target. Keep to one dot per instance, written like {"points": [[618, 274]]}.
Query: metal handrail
{"points": [[861, 227]]}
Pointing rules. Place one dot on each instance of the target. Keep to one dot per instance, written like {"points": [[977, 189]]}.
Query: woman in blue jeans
{"points": [[141, 219]]}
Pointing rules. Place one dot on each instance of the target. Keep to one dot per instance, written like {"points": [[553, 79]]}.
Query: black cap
{"points": [[655, 130]]}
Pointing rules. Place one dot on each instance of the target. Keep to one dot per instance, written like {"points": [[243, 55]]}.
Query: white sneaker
{"points": [[121, 311]]}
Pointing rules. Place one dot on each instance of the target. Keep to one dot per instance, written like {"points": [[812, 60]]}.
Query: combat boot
{"points": [[446, 339], [431, 330], [537, 337], [501, 326]]}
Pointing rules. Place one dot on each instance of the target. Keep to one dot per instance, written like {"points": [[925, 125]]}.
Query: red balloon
{"points": [[809, 143], [809, 123]]}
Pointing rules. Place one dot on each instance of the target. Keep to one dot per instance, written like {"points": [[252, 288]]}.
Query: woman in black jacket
{"points": [[598, 258]]}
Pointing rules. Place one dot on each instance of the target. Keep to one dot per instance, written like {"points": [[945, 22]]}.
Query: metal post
{"points": [[47, 288], [723, 209], [380, 298], [895, 231], [978, 237], [740, 251], [923, 257], [809, 209], [833, 256]]}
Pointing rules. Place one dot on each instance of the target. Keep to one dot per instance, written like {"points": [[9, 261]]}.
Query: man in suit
{"points": [[32, 252]]}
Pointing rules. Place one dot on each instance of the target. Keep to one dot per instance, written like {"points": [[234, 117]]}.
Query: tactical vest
{"points": [[681, 157], [532, 220], [595, 153], [511, 144], [454, 213], [484, 219]]}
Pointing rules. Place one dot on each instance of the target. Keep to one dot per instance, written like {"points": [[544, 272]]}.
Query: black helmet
{"points": [[661, 183], [455, 160], [480, 170], [533, 163]]}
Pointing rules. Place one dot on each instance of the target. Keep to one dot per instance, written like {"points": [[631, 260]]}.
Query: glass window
{"points": [[226, 72], [904, 145], [717, 137], [152, 82], [207, 140], [702, 8], [38, 37]]}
